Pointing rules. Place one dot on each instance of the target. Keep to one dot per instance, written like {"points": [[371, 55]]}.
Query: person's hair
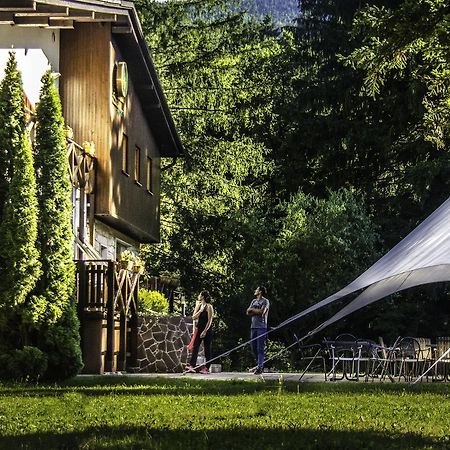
{"points": [[262, 289], [206, 296]]}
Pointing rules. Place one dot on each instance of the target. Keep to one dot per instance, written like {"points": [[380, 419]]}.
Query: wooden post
{"points": [[122, 358], [81, 300], [92, 218], [133, 344], [110, 365], [82, 221], [171, 301]]}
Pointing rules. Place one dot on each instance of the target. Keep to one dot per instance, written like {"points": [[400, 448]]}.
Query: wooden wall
{"points": [[88, 55], [131, 200], [85, 87]]}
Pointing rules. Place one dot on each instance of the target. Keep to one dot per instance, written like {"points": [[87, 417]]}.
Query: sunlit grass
{"points": [[135, 413]]}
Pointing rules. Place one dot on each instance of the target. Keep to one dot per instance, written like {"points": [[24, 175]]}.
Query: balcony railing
{"points": [[81, 167]]}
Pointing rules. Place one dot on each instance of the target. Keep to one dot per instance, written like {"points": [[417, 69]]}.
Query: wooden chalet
{"points": [[113, 102]]}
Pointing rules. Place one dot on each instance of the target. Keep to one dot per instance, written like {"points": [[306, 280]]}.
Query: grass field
{"points": [[119, 413]]}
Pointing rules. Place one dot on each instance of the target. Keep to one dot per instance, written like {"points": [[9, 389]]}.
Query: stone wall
{"points": [[162, 343]]}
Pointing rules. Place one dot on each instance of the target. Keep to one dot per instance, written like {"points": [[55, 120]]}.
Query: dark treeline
{"points": [[311, 149]]}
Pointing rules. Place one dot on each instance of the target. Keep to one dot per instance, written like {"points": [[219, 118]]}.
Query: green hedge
{"points": [[151, 302]]}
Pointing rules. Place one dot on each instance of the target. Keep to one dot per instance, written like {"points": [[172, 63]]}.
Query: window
{"points": [[103, 251], [137, 165], [149, 175], [121, 247], [125, 154]]}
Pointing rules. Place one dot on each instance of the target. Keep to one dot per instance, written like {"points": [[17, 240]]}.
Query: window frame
{"points": [[137, 165], [149, 174], [125, 155]]}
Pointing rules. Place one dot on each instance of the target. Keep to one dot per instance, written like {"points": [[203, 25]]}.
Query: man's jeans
{"points": [[258, 344]]}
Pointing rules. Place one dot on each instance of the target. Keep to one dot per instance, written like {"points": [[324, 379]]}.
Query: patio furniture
{"points": [[313, 356], [426, 354], [442, 368], [407, 359], [386, 364], [369, 361], [343, 352]]}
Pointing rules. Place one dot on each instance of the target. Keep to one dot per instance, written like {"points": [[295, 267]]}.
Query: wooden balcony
{"points": [[107, 309], [81, 167]]}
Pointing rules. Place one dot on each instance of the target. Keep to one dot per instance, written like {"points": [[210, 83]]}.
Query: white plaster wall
{"points": [[37, 49]]}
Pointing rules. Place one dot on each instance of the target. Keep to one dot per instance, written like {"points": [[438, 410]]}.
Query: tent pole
{"points": [[440, 359]]}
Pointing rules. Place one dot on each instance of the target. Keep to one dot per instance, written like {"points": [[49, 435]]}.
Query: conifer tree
{"points": [[53, 307], [18, 228]]}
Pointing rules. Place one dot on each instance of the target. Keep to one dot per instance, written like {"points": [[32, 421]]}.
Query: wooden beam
{"points": [[80, 14], [31, 21], [95, 11], [45, 10], [60, 24], [102, 17], [6, 18], [17, 5], [93, 6], [123, 29]]}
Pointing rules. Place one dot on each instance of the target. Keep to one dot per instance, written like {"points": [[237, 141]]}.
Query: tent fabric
{"points": [[422, 257], [389, 286]]}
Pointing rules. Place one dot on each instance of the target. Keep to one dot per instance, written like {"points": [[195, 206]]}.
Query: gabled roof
{"points": [[127, 31]]}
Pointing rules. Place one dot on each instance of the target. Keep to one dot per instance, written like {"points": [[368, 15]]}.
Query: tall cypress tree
{"points": [[53, 306], [12, 123], [19, 263]]}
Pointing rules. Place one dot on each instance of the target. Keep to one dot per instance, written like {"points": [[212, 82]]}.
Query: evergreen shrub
{"points": [[151, 302], [61, 343], [26, 364]]}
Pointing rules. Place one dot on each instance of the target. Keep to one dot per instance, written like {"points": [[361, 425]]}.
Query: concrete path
{"points": [[309, 377]]}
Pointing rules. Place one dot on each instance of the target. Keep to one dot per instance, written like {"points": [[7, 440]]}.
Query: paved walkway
{"points": [[287, 376]]}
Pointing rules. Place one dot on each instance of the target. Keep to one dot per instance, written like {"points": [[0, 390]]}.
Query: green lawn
{"points": [[117, 413]]}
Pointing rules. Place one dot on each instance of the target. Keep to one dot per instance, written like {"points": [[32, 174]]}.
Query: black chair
{"points": [[407, 359], [313, 356], [343, 352]]}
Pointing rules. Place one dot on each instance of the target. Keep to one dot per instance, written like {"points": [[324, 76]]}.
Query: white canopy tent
{"points": [[422, 257]]}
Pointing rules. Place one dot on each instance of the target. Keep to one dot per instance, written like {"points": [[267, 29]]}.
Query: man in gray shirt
{"points": [[259, 311]]}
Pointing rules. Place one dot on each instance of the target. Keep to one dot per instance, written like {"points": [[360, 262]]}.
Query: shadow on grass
{"points": [[104, 386], [127, 438]]}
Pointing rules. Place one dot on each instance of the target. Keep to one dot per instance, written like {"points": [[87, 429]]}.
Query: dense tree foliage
{"points": [[281, 11], [211, 67], [226, 78], [349, 103], [409, 42]]}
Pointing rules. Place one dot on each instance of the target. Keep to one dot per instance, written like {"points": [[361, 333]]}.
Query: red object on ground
{"points": [[194, 335]]}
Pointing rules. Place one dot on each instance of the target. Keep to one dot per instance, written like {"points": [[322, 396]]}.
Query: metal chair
{"points": [[425, 354], [368, 361], [311, 354], [343, 352], [407, 358]]}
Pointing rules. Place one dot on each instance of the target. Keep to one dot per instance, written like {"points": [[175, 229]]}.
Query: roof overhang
{"points": [[127, 32]]}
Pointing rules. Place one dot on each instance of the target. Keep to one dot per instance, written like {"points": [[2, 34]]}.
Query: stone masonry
{"points": [[162, 343]]}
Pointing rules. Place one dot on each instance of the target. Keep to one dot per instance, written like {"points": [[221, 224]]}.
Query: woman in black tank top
{"points": [[203, 313]]}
